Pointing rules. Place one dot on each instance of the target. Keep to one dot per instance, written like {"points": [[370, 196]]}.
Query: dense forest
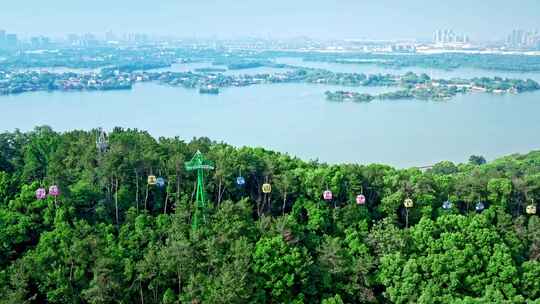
{"points": [[464, 233]]}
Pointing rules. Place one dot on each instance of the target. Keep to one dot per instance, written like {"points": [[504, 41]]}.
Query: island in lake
{"points": [[413, 86], [120, 69], [410, 85]]}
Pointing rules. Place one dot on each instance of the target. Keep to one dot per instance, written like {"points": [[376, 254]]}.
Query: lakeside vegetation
{"points": [[120, 69], [446, 61], [112, 238], [421, 87], [411, 85], [101, 57]]}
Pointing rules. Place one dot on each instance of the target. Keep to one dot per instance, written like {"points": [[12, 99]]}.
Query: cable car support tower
{"points": [[199, 163]]}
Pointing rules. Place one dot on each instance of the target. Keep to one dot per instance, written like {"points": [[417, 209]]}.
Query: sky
{"points": [[325, 19]]}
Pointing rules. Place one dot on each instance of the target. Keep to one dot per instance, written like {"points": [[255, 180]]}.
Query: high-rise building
{"points": [[11, 40], [40, 42], [523, 39], [448, 36], [438, 36]]}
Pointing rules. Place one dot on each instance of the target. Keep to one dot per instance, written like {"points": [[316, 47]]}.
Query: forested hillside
{"points": [[453, 234]]}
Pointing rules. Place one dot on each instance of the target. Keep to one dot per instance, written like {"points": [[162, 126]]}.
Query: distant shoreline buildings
{"points": [[8, 40], [522, 39], [449, 37], [443, 40]]}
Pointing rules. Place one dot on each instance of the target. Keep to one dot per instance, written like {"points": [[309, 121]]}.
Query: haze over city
{"points": [[384, 19]]}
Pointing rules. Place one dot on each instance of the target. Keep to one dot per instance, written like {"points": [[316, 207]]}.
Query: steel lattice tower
{"points": [[199, 163]]}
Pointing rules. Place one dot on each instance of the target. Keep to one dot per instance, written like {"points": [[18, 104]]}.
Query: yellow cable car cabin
{"points": [[266, 188], [152, 180], [531, 209], [408, 203]]}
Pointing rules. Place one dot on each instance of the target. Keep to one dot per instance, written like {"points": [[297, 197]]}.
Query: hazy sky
{"points": [[384, 19]]}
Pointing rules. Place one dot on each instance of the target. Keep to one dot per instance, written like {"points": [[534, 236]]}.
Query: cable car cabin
{"points": [[327, 195], [360, 199], [479, 207], [54, 191], [531, 209], [408, 203], [41, 193], [447, 205], [160, 182], [152, 180], [240, 181], [266, 188]]}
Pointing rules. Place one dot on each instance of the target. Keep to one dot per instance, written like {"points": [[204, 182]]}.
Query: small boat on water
{"points": [[209, 90]]}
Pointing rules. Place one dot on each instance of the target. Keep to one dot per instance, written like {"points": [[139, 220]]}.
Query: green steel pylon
{"points": [[199, 163]]}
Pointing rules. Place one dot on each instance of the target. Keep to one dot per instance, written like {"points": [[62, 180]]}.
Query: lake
{"points": [[296, 118], [191, 66]]}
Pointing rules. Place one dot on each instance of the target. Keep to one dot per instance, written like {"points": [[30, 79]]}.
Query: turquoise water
{"points": [[191, 66], [295, 118]]}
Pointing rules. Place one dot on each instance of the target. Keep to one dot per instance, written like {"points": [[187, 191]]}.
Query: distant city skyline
{"points": [[446, 35], [341, 19]]}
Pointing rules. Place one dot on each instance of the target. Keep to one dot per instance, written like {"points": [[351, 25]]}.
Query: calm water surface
{"points": [[295, 118], [191, 66]]}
